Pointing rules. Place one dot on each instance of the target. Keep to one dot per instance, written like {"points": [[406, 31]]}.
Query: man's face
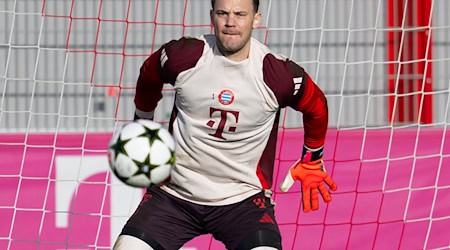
{"points": [[233, 22]]}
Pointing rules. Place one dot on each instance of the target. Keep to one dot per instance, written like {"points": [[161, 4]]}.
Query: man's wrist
{"points": [[138, 114], [310, 154]]}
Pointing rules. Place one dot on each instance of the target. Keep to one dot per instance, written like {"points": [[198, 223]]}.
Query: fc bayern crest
{"points": [[226, 97]]}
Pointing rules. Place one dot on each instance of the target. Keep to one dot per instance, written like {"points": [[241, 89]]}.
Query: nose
{"points": [[230, 20]]}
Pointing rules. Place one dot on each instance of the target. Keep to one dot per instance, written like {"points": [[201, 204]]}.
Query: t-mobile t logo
{"points": [[223, 120]]}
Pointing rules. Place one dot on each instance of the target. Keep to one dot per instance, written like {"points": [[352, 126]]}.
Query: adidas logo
{"points": [[266, 219], [297, 84]]}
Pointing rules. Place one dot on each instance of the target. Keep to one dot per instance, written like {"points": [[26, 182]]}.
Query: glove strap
{"points": [[309, 155]]}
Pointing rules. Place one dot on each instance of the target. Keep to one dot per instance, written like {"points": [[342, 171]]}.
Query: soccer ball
{"points": [[142, 153]]}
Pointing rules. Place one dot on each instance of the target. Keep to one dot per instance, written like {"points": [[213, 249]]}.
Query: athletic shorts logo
{"points": [[226, 97], [266, 219]]}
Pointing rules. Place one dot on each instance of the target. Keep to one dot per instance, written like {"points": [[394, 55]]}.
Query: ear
{"points": [[257, 20]]}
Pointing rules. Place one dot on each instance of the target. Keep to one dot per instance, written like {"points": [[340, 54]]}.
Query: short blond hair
{"points": [[255, 4]]}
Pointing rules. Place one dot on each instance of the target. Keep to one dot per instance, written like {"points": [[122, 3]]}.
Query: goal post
{"points": [[68, 70], [410, 53]]}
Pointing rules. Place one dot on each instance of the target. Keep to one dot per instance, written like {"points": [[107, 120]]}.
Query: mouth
{"points": [[229, 33]]}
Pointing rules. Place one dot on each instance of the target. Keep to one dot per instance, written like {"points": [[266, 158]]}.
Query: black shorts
{"points": [[167, 222]]}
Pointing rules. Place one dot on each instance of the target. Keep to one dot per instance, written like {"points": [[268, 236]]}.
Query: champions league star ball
{"points": [[142, 153]]}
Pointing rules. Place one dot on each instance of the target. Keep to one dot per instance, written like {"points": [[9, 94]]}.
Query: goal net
{"points": [[68, 70]]}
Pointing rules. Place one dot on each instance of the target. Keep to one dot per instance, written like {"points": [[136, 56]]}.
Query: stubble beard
{"points": [[231, 47]]}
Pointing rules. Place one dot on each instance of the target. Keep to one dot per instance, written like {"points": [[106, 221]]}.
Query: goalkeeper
{"points": [[229, 89]]}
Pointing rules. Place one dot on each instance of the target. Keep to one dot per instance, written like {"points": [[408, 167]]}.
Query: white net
{"points": [[68, 69]]}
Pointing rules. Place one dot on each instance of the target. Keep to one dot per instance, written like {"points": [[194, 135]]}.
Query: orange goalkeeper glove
{"points": [[309, 170]]}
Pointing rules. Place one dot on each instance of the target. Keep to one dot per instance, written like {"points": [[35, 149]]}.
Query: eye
{"points": [[221, 13]]}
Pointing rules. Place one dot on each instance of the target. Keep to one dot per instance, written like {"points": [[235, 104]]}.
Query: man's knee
{"points": [[265, 248], [261, 239], [125, 242]]}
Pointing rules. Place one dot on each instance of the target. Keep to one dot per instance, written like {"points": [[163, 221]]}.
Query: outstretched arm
{"points": [[313, 105], [309, 169], [161, 67], [149, 87]]}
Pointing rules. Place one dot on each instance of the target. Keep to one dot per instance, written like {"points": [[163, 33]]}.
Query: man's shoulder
{"points": [[185, 43], [282, 75], [180, 55], [262, 50], [186, 50]]}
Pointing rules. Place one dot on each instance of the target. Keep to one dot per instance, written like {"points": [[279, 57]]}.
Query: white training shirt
{"points": [[225, 116]]}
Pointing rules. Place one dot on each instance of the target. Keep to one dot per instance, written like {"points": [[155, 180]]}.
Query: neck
{"points": [[236, 56]]}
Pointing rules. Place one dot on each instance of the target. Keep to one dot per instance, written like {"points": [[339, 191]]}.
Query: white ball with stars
{"points": [[142, 153]]}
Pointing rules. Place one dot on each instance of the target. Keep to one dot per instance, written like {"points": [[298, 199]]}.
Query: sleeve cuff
{"points": [[316, 154], [144, 115]]}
